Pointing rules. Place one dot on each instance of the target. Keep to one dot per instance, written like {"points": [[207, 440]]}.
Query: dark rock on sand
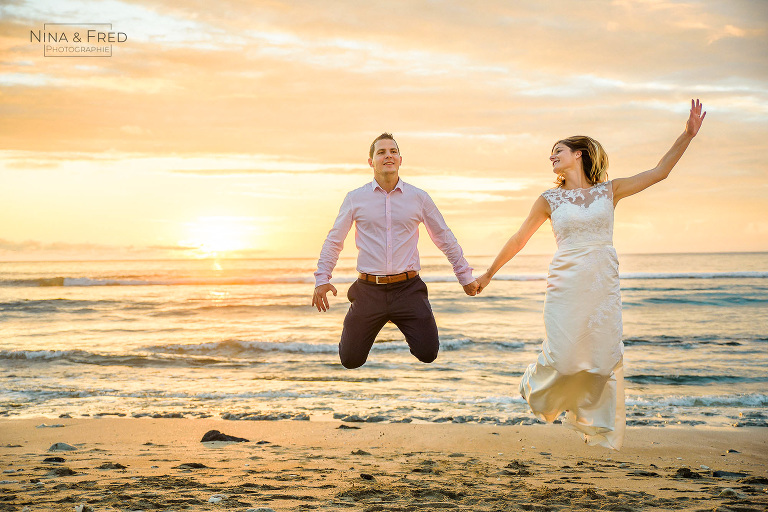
{"points": [[191, 465], [366, 476], [215, 435], [360, 452], [347, 427], [54, 460], [754, 480], [111, 465], [61, 472], [686, 473], [642, 472], [727, 474]]}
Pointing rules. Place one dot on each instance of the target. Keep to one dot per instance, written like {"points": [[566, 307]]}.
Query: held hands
{"points": [[695, 119], [483, 281], [471, 288], [319, 300]]}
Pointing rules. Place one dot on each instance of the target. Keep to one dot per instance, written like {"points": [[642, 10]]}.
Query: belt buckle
{"points": [[377, 280]]}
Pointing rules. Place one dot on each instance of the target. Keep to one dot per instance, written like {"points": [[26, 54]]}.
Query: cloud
{"points": [[280, 100]]}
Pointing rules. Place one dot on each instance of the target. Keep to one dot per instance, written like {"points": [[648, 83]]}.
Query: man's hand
{"points": [[471, 288], [319, 300]]}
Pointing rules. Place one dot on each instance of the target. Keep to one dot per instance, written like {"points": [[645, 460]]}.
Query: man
{"points": [[386, 214]]}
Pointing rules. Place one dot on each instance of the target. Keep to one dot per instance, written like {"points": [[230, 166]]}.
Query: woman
{"points": [[580, 367]]}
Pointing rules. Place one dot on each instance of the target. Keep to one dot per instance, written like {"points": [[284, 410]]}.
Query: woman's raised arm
{"points": [[624, 187]]}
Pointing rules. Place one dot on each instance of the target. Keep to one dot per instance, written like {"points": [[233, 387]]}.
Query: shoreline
{"points": [[138, 464]]}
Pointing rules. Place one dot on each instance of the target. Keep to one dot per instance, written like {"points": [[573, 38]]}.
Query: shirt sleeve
{"points": [[334, 243], [444, 239]]}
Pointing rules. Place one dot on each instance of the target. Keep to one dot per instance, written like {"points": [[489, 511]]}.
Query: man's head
{"points": [[383, 136], [384, 156]]}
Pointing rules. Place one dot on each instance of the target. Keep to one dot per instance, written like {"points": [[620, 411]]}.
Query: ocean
{"points": [[238, 339]]}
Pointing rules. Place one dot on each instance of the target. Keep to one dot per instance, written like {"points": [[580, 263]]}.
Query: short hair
{"points": [[594, 159], [383, 136]]}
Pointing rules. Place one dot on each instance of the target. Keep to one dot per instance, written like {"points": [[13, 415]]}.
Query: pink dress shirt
{"points": [[387, 232]]}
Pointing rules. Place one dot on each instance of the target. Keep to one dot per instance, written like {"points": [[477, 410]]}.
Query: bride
{"points": [[580, 367]]}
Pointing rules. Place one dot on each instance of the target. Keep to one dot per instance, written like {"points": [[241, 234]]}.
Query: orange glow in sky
{"points": [[239, 129]]}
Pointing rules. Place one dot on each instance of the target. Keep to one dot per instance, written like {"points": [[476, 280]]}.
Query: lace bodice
{"points": [[582, 216]]}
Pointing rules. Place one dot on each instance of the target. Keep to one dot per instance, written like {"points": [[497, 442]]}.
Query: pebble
{"points": [[704, 467], [217, 498], [730, 493], [111, 465], [641, 472], [45, 425], [728, 474], [191, 465], [61, 447], [60, 471], [260, 509], [83, 508], [8, 482], [686, 473], [215, 435]]}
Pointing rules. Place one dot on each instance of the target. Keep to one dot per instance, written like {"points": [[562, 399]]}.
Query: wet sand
{"points": [[161, 464]]}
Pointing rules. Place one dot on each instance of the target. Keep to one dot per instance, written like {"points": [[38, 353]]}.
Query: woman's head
{"points": [[594, 159]]}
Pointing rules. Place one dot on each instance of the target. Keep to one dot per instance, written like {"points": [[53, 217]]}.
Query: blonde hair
{"points": [[593, 157]]}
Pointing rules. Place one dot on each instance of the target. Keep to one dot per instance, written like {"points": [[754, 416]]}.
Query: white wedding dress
{"points": [[580, 368]]}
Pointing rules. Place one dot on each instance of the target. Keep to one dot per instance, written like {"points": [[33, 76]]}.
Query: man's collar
{"points": [[375, 185]]}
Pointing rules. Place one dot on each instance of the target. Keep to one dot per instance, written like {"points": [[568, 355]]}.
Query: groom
{"points": [[386, 213]]}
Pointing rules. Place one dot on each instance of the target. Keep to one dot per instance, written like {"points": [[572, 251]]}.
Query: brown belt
{"points": [[396, 278]]}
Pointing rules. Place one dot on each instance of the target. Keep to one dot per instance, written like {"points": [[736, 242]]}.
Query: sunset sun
{"points": [[212, 236]]}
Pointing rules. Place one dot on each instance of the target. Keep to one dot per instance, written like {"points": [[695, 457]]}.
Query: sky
{"points": [[235, 128]]}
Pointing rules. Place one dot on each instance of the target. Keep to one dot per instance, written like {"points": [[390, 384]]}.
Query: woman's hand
{"points": [[695, 119], [483, 281]]}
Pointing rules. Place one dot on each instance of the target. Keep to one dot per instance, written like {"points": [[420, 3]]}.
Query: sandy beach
{"points": [[161, 464]]}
